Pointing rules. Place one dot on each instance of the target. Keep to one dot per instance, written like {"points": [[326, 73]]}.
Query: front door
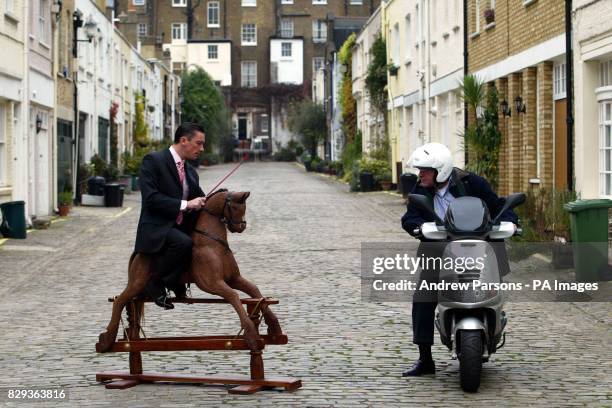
{"points": [[242, 127]]}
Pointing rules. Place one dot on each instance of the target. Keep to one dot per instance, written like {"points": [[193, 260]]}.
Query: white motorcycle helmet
{"points": [[433, 156]]}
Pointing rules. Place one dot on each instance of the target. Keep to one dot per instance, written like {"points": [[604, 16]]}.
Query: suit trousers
{"points": [[174, 257]]}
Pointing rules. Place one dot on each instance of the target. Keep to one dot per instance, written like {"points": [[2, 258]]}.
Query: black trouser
{"points": [[171, 261], [424, 303]]}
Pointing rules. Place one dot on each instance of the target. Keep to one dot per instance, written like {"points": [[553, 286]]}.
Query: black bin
{"points": [[13, 220], [366, 181], [112, 195], [95, 185], [407, 183]]}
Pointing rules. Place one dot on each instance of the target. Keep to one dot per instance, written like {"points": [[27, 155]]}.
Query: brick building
{"points": [[520, 47], [261, 42]]}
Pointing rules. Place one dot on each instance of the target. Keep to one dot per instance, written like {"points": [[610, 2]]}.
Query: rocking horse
{"points": [[213, 270]]}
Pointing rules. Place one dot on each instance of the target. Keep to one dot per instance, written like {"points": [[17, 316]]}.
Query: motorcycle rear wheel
{"points": [[470, 359]]}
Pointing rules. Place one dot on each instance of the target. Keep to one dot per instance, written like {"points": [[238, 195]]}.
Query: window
{"points": [[407, 37], [319, 1], [319, 31], [3, 150], [605, 148], [179, 3], [213, 14], [286, 49], [286, 28], [179, 31], [142, 30], [8, 6], [605, 73], [138, 2], [317, 64], [249, 74], [559, 81], [213, 51], [249, 34], [249, 3], [356, 2], [396, 44], [43, 36], [286, 1], [476, 17], [265, 123]]}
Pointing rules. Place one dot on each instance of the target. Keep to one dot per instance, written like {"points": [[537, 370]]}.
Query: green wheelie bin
{"points": [[13, 220], [589, 223]]}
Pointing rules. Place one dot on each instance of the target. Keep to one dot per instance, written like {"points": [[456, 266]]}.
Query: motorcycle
{"points": [[470, 316]]}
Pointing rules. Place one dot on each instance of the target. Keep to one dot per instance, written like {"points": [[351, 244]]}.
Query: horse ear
{"points": [[244, 196]]}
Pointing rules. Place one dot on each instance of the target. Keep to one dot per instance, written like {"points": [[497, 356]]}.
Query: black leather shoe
{"points": [[180, 291], [163, 301], [420, 368]]}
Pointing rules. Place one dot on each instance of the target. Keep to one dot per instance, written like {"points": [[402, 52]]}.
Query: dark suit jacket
{"points": [[462, 183], [161, 199]]}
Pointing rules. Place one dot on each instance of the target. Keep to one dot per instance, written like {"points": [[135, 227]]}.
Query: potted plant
{"points": [[392, 69], [489, 15], [64, 199], [385, 180]]}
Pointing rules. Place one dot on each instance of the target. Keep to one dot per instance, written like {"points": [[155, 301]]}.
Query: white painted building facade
{"points": [[592, 43]]}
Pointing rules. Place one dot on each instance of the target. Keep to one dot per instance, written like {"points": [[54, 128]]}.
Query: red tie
{"points": [[181, 172]]}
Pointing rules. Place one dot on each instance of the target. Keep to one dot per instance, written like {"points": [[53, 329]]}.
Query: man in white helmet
{"points": [[442, 183]]}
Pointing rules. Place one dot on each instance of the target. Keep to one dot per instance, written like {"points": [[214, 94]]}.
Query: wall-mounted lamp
{"points": [[519, 105], [505, 108], [39, 122]]}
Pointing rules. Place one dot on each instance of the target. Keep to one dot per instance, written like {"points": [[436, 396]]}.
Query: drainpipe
{"points": [[465, 72], [569, 77]]}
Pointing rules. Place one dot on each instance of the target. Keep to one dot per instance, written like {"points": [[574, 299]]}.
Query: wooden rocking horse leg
{"points": [[248, 287], [134, 315], [257, 367]]}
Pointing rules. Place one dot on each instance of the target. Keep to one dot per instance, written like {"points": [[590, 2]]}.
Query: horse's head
{"points": [[229, 207]]}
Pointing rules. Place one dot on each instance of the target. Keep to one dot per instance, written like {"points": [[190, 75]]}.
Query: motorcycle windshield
{"points": [[467, 214]]}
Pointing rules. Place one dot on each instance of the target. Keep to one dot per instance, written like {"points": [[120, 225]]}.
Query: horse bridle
{"points": [[228, 221]]}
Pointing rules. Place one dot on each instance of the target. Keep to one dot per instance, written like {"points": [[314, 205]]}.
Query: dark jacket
{"points": [[462, 183], [162, 192]]}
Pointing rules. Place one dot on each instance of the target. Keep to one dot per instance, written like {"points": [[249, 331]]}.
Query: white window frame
{"points": [[605, 148], [286, 49], [286, 1], [265, 120], [142, 33], [314, 64], [407, 38], [243, 34], [182, 31], [210, 50], [356, 2], [179, 3], [559, 72], [396, 42], [9, 7], [43, 32], [212, 6], [249, 3], [3, 146], [319, 27], [138, 2], [248, 79], [605, 73], [287, 27], [319, 2], [476, 17]]}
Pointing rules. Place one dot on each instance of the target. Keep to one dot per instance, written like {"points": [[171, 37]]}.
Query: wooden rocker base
{"points": [[133, 344], [245, 385]]}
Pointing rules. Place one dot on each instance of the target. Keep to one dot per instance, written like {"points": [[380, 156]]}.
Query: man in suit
{"points": [[442, 183], [170, 194]]}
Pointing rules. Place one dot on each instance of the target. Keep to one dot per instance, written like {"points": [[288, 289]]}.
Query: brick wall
{"points": [[516, 28]]}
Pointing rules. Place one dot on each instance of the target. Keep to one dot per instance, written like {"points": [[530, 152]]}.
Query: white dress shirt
{"points": [[177, 160], [442, 200]]}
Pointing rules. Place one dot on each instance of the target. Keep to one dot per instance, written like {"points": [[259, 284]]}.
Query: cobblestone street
{"points": [[302, 246]]}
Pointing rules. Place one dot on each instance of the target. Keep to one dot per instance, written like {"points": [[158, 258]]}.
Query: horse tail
{"points": [[139, 306]]}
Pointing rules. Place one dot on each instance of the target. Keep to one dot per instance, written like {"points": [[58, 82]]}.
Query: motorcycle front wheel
{"points": [[470, 359]]}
